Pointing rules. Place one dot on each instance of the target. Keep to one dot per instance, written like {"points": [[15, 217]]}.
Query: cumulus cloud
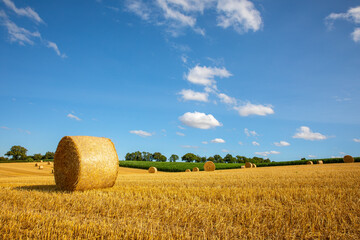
{"points": [[204, 142], [357, 140], [6, 128], [225, 150], [189, 146], [199, 120], [281, 144], [311, 156], [306, 133], [190, 95], [239, 14], [226, 99], [141, 133], [218, 140], [240, 143], [27, 12], [250, 133], [72, 116], [139, 8], [253, 109], [205, 75], [173, 14], [255, 143], [180, 134], [265, 154], [56, 49], [352, 15]]}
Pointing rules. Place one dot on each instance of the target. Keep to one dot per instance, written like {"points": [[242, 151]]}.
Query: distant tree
{"points": [[189, 157], [146, 156], [157, 156], [228, 158], [218, 158], [197, 159], [4, 159], [162, 158], [211, 159], [241, 159], [173, 158], [37, 156], [49, 155], [203, 159], [303, 158], [17, 153]]}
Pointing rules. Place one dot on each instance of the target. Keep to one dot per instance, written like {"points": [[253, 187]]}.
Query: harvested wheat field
{"points": [[303, 202]]}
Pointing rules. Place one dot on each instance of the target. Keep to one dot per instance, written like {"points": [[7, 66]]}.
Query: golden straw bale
{"points": [[49, 163], [195, 169], [83, 163], [320, 162], [248, 165], [41, 160], [209, 166], [36, 164], [243, 166], [254, 165], [309, 163], [348, 159], [187, 170], [152, 170], [41, 167]]}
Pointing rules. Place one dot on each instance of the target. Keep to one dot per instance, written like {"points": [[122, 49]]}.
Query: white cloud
{"points": [[336, 156], [266, 153], [253, 109], [226, 99], [180, 127], [281, 144], [255, 143], [73, 117], [6, 128], [204, 142], [180, 134], [225, 150], [205, 75], [357, 140], [184, 58], [141, 133], [18, 34], [218, 140], [356, 35], [190, 95], [311, 156], [199, 120], [240, 143], [27, 12], [171, 13], [189, 146], [250, 133], [239, 14], [56, 49], [305, 133], [139, 8]]}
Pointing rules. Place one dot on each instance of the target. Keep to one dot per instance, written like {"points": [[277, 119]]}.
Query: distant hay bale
{"points": [[348, 159], [41, 160], [195, 169], [254, 165], [41, 167], [36, 164], [248, 165], [83, 163], [243, 166], [320, 162], [209, 166], [49, 163], [187, 170], [152, 170], [309, 163]]}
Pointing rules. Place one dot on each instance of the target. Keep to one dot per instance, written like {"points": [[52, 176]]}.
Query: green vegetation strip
{"points": [[175, 166]]}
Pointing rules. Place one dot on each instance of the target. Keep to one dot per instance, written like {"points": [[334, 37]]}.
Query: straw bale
{"points": [[49, 163], [254, 165], [36, 164], [41, 167], [309, 163], [348, 159], [83, 163], [187, 170], [320, 162], [195, 169], [248, 165], [243, 166], [152, 170], [41, 160], [209, 166]]}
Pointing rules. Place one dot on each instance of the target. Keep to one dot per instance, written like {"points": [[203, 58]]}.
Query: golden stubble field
{"points": [[294, 202]]}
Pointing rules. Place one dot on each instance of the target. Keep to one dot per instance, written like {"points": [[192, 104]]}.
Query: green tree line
{"points": [[19, 153]]}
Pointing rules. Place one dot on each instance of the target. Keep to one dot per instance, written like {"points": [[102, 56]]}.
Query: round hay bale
{"points": [[196, 169], [83, 163], [348, 159], [49, 163], [320, 162], [41, 167], [254, 165], [243, 166], [152, 170], [41, 160], [187, 170], [248, 165], [36, 164], [209, 166], [309, 163]]}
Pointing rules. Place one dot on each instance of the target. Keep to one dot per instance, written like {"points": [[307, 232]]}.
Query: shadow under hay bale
{"points": [[348, 159], [40, 188], [83, 163], [209, 166], [195, 169], [153, 170]]}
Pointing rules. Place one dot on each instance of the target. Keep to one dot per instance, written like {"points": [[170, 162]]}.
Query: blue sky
{"points": [[276, 79]]}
